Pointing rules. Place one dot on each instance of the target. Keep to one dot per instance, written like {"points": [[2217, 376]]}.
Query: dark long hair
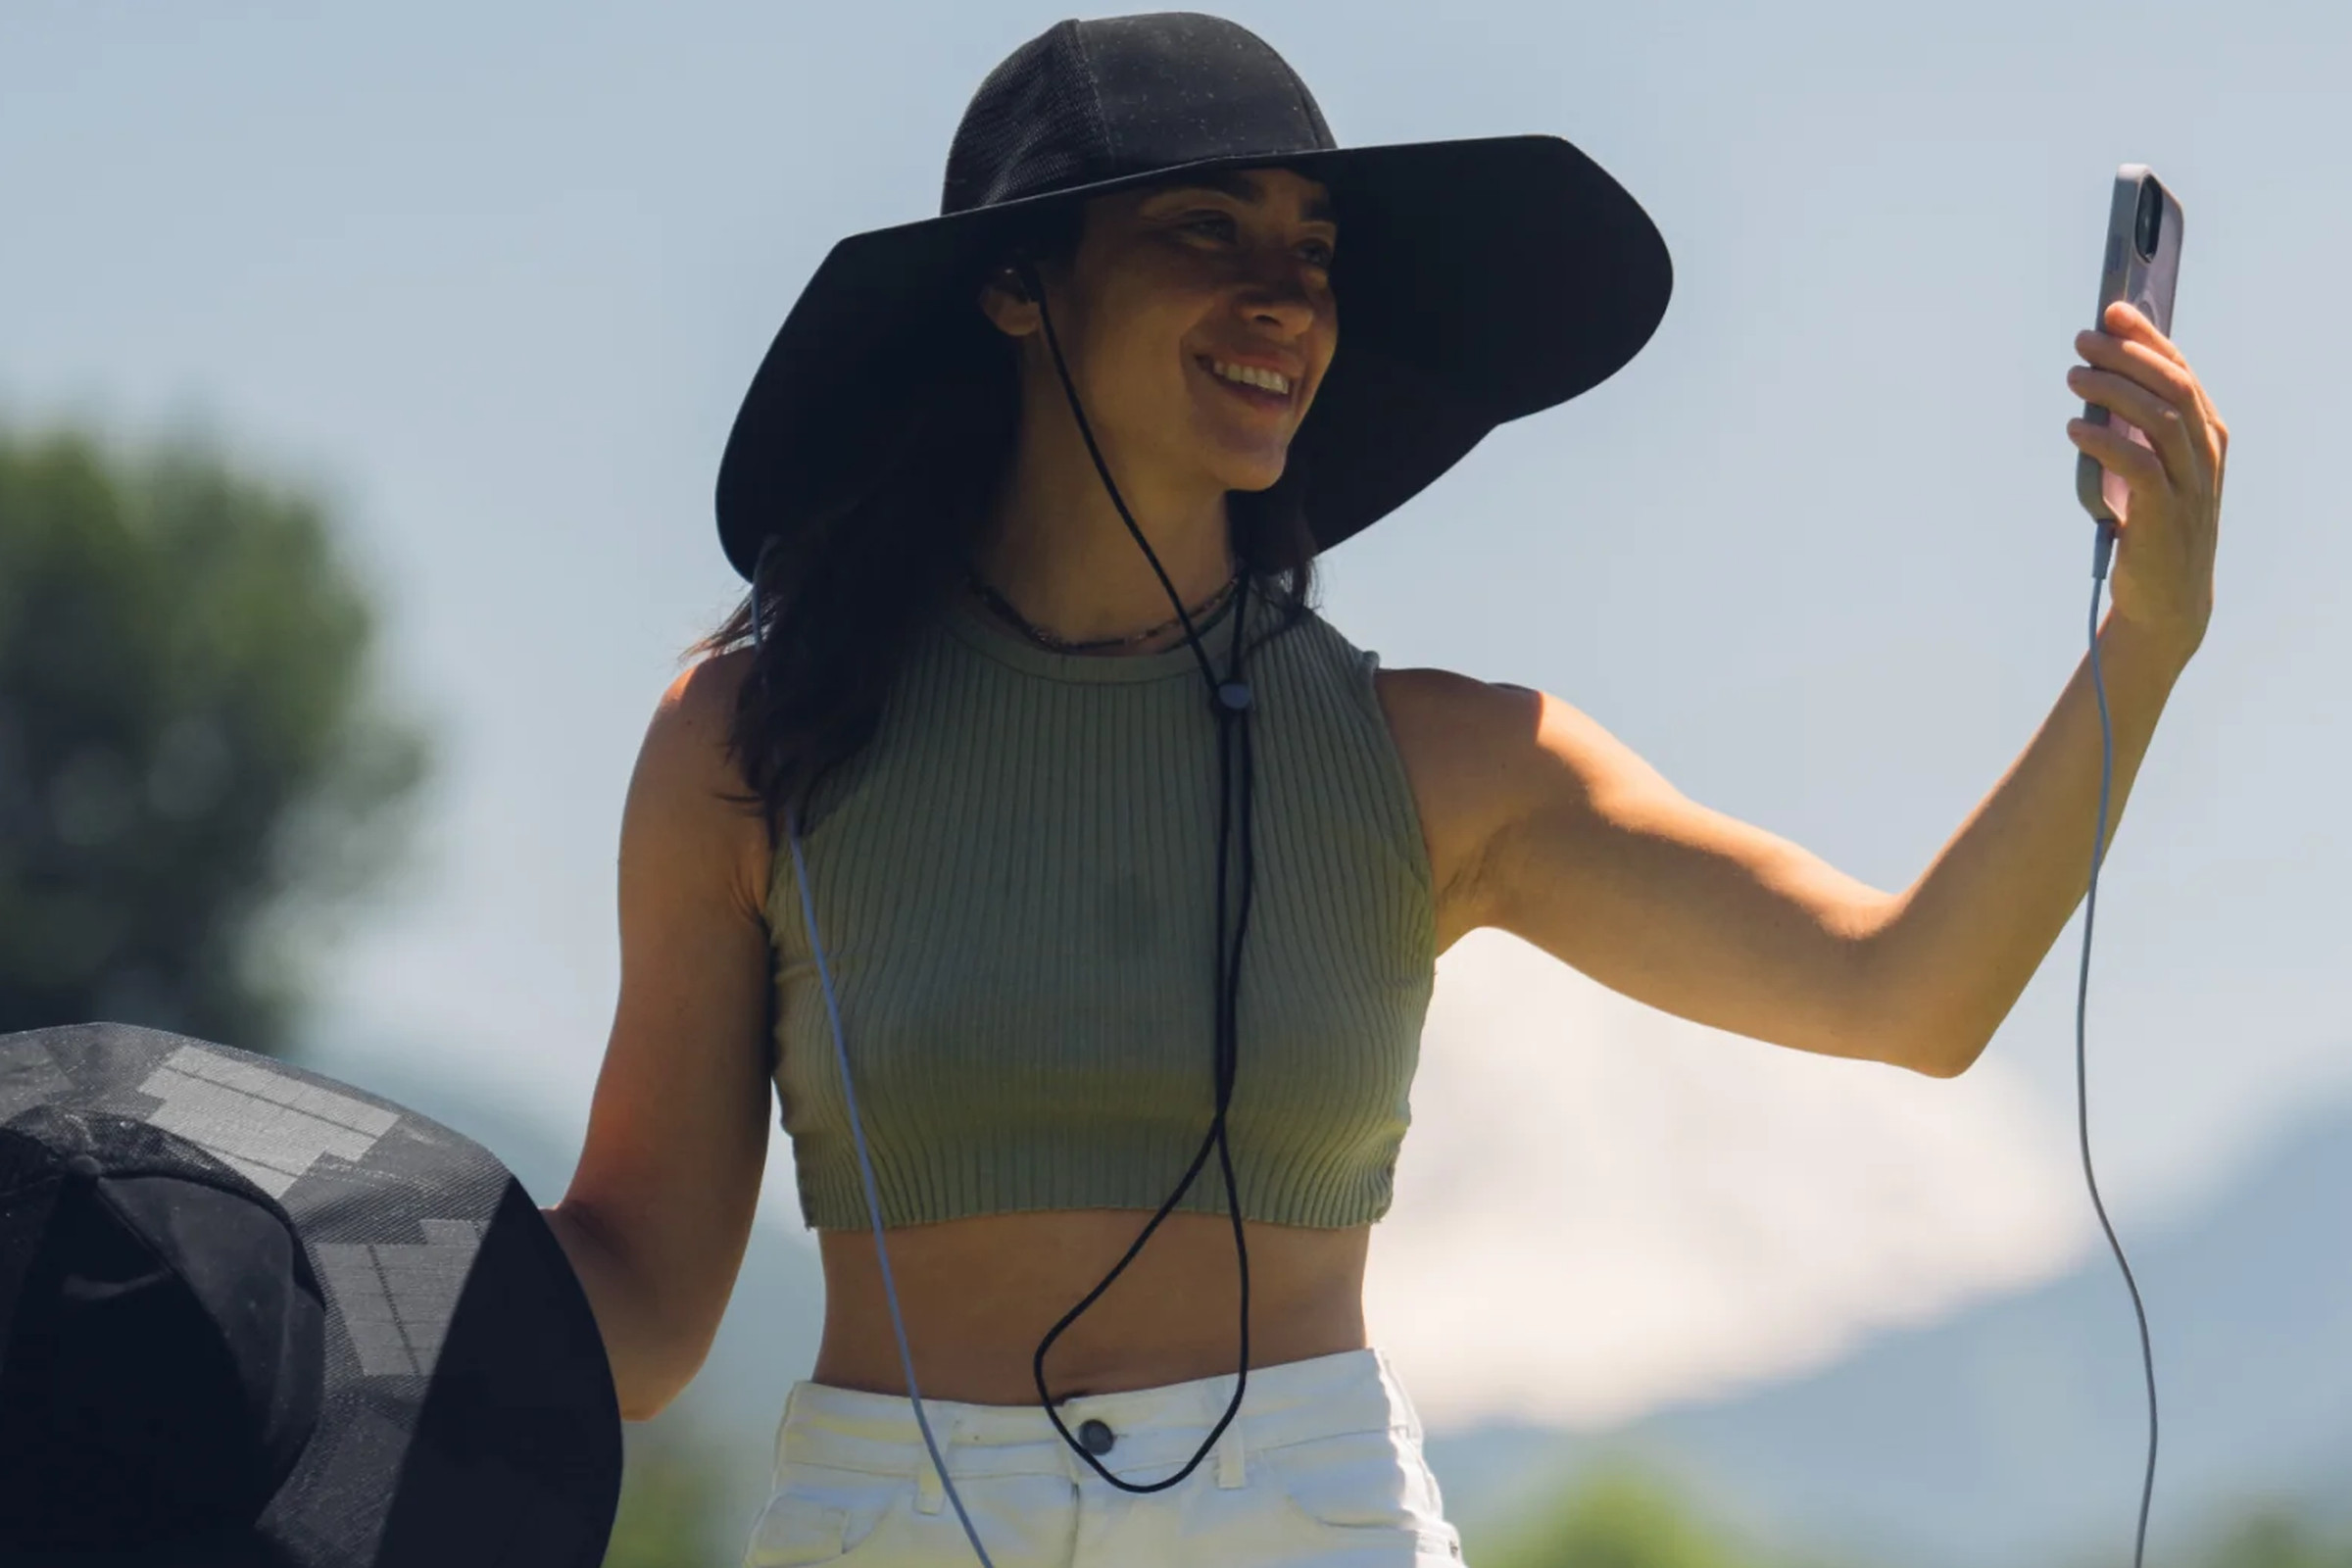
{"points": [[855, 576]]}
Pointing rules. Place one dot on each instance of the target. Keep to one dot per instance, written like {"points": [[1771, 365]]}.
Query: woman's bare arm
{"points": [[1541, 822], [660, 1207]]}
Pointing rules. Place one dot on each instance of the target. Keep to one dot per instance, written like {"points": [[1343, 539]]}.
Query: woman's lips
{"points": [[1257, 397]]}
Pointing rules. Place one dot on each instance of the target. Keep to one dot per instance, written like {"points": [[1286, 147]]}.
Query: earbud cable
{"points": [[1229, 701], [1230, 704]]}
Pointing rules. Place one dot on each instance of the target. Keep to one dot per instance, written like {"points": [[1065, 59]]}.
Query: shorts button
{"points": [[1097, 1437]]}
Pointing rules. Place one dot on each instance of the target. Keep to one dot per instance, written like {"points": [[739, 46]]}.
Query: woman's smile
{"points": [[1259, 386]]}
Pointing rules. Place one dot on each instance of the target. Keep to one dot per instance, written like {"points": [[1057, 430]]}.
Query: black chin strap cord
{"points": [[1229, 701]]}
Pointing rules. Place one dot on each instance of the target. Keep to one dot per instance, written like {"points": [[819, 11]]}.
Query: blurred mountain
{"points": [[2016, 1430], [2013, 1431]]}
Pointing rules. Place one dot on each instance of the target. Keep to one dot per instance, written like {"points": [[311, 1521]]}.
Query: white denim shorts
{"points": [[1321, 1467]]}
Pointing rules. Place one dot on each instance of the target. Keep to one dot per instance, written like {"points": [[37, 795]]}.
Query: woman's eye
{"points": [[1223, 226]]}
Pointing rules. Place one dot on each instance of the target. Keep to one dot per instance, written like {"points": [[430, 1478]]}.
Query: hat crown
{"points": [[161, 1354], [1118, 96]]}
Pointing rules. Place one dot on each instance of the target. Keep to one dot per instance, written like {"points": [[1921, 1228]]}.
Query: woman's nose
{"points": [[1278, 295]]}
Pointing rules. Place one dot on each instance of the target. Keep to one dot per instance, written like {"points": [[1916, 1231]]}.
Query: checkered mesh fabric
{"points": [[469, 1416], [1032, 125], [1086, 101]]}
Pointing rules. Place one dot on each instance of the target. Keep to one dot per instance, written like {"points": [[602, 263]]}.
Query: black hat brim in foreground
{"points": [[1478, 281], [469, 1417]]}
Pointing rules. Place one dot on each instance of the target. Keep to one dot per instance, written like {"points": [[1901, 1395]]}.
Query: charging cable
{"points": [[2098, 854], [865, 1175], [1233, 698]]}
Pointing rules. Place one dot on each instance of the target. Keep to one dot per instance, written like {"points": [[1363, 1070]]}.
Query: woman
{"points": [[1033, 730]]}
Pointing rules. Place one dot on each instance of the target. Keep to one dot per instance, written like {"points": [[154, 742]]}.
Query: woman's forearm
{"points": [[1957, 947], [643, 1357]]}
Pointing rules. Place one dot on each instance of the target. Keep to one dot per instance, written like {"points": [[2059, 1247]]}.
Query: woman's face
{"points": [[1196, 320]]}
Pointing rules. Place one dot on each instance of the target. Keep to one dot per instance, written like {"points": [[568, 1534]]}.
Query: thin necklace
{"points": [[1063, 645]]}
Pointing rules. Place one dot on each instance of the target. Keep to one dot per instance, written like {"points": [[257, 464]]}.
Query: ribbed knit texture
{"points": [[1014, 884]]}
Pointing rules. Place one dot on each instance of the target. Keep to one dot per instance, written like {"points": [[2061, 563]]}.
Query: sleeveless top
{"points": [[1014, 886]]}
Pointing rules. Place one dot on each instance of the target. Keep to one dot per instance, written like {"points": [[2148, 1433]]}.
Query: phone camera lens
{"points": [[2148, 223]]}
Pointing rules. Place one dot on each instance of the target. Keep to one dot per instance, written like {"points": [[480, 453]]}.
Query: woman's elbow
{"points": [[650, 1362]]}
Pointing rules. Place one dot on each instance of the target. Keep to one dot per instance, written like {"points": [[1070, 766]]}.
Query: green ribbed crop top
{"points": [[1013, 884]]}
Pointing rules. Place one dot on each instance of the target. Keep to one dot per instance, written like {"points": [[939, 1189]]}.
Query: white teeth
{"points": [[1249, 375]]}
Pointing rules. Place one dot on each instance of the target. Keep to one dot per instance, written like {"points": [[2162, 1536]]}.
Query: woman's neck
{"points": [[1058, 549]]}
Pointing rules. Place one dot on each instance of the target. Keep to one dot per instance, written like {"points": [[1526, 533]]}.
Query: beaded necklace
{"points": [[1063, 645]]}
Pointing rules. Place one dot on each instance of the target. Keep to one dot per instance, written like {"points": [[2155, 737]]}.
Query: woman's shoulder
{"points": [[688, 790], [1303, 634], [1420, 704], [694, 718]]}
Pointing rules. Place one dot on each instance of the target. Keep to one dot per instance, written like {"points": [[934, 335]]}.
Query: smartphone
{"points": [[2142, 262]]}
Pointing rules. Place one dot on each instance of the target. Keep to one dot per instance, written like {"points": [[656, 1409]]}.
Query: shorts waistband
{"points": [[1153, 1430]]}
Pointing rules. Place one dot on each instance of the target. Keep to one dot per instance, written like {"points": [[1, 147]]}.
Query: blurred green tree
{"points": [[1625, 1514], [670, 1514], [196, 771], [1621, 1516], [2274, 1533]]}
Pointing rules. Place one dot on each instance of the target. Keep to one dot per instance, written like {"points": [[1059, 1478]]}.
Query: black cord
{"points": [[1230, 703]]}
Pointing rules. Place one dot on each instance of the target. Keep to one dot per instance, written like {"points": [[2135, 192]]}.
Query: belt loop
{"points": [[929, 1494], [1401, 1399], [1232, 1471], [783, 1422]]}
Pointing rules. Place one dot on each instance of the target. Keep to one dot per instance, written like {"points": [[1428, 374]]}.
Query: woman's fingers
{"points": [[2160, 420], [2141, 469]]}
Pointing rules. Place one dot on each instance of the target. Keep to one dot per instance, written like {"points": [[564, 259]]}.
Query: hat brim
{"points": [[1478, 281], [469, 1417]]}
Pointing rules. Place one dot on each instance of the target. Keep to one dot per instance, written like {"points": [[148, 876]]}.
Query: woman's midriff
{"points": [[979, 1293]]}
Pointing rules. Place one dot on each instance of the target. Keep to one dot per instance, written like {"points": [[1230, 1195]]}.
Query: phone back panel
{"points": [[2147, 283]]}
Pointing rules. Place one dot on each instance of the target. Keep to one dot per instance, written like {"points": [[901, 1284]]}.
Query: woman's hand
{"points": [[2163, 570]]}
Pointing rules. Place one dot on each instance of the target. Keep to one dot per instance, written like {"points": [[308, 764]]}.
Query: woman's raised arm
{"points": [[1541, 822]]}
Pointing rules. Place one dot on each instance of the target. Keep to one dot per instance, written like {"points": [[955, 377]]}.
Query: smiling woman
{"points": [[1086, 945], [1161, 267], [1196, 321]]}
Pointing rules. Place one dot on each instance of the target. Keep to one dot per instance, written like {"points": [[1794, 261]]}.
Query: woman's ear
{"points": [[1005, 300]]}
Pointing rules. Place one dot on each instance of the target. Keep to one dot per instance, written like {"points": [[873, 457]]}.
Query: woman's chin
{"points": [[1255, 470], [1247, 453]]}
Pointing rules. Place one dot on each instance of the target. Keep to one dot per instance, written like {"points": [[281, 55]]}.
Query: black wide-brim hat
{"points": [[1478, 281], [255, 1318]]}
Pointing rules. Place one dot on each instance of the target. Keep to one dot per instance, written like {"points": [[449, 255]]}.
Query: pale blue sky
{"points": [[498, 276]]}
